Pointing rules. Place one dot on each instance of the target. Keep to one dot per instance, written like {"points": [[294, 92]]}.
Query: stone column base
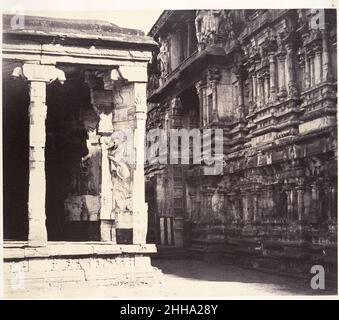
{"points": [[108, 230]]}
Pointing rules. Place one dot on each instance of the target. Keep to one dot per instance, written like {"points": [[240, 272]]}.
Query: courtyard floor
{"points": [[196, 279]]}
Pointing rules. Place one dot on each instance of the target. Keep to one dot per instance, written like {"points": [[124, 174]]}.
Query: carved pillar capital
{"points": [[39, 73], [140, 98], [200, 84]]}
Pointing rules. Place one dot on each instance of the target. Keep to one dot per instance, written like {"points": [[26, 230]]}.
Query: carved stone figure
{"points": [[207, 25], [163, 58], [120, 174], [87, 185], [200, 25], [293, 89]]}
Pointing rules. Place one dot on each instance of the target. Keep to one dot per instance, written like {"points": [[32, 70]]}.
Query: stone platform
{"points": [[62, 265]]}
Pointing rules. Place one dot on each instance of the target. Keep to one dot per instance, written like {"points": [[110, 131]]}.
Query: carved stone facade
{"points": [[267, 78]]}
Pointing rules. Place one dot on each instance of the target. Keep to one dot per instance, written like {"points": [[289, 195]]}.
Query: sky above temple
{"points": [[142, 20], [138, 14]]}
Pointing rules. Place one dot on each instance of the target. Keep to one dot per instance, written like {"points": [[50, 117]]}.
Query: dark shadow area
{"points": [[15, 147], [152, 227]]}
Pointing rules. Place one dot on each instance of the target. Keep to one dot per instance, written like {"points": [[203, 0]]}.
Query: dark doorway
{"points": [[15, 146]]}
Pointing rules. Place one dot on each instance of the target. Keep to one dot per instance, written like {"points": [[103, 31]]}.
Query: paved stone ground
{"points": [[196, 279], [207, 279]]}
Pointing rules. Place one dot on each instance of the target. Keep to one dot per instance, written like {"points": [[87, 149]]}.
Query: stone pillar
{"points": [[307, 72], [106, 199], [250, 89], [333, 202], [312, 71], [214, 77], [281, 75], [255, 206], [273, 93], [289, 205], [300, 192], [260, 96], [326, 56], [330, 196], [292, 85], [267, 88], [314, 200], [205, 106], [199, 86], [244, 199], [241, 92], [289, 64], [231, 202], [318, 65], [215, 101], [38, 76], [37, 233], [241, 104], [140, 216], [294, 203], [255, 90]]}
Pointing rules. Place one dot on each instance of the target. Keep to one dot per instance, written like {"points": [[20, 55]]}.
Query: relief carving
{"points": [[121, 177], [163, 58], [207, 24]]}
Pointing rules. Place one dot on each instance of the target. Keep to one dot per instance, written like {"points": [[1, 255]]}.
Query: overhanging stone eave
{"points": [[51, 53], [126, 41], [188, 72], [161, 22]]}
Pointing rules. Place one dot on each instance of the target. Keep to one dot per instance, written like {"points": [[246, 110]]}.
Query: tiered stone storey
{"points": [[268, 79]]}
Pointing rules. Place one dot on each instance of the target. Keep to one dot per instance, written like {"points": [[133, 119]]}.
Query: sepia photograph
{"points": [[151, 152]]}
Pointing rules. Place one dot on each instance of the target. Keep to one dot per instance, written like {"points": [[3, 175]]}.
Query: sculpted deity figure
{"points": [[215, 17], [201, 26], [207, 23], [163, 57], [120, 175], [293, 89]]}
